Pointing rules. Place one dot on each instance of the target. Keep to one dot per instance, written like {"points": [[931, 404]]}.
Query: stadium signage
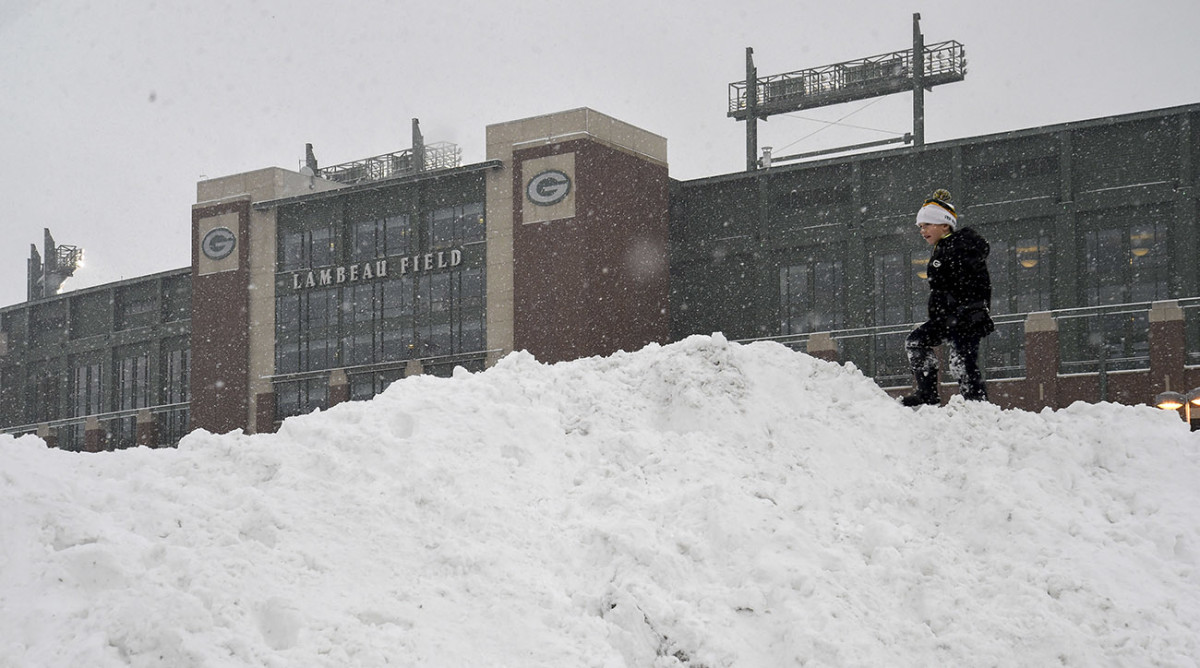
{"points": [[219, 243], [375, 269], [548, 188]]}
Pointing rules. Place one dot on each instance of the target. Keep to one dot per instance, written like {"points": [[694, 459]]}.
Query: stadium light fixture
{"points": [[1173, 401], [1170, 401]]}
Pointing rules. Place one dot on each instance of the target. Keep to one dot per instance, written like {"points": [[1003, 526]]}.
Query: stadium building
{"points": [[321, 285]]}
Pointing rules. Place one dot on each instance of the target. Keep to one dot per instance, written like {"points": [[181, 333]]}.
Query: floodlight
{"points": [[1170, 401]]}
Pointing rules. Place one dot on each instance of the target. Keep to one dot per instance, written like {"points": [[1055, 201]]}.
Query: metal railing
{"points": [[438, 155], [888, 72], [1076, 355]]}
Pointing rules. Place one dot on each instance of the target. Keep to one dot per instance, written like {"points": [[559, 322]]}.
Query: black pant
{"points": [[963, 357]]}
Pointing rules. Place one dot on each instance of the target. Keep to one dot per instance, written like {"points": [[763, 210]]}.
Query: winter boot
{"points": [[974, 391], [921, 398], [925, 376]]}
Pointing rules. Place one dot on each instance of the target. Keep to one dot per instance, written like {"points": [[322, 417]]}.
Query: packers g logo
{"points": [[548, 187], [218, 243]]}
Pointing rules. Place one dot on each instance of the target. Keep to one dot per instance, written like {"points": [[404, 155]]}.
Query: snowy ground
{"points": [[699, 504]]}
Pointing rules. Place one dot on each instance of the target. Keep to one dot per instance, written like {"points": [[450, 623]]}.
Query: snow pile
{"points": [[699, 504]]}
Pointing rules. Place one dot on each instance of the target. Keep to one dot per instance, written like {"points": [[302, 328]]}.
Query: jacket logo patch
{"points": [[935, 263]]}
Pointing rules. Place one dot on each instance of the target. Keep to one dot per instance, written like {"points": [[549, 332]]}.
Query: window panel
{"points": [[87, 388], [398, 233]]}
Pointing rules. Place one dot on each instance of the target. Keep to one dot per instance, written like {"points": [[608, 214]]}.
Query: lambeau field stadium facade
{"points": [[320, 285]]}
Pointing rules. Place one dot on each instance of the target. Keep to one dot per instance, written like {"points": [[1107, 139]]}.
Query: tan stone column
{"points": [[822, 346], [147, 429], [339, 387]]}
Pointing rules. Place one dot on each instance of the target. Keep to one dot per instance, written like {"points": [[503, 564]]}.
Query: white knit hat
{"points": [[938, 210]]}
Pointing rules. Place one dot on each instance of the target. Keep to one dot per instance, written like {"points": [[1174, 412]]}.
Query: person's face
{"points": [[932, 232]]}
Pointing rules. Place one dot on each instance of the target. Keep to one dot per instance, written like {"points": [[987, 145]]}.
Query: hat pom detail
{"points": [[938, 210]]}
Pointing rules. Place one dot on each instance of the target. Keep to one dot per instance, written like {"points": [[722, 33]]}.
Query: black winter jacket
{"points": [[960, 288]]}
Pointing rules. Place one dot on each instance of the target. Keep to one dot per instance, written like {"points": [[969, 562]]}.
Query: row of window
{"points": [[91, 314], [410, 316], [1122, 265], [89, 391], [389, 236]]}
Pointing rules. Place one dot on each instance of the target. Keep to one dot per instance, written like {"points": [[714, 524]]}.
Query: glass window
{"points": [[306, 249], [133, 382], [287, 311], [1126, 264], [315, 394], [441, 227], [812, 297], [322, 248], [358, 349], [1148, 262], [317, 353], [439, 342], [322, 307], [368, 240], [87, 389], [287, 356], [900, 295], [891, 289], [472, 295], [439, 293], [291, 250], [364, 302], [176, 365], [472, 334], [456, 224], [397, 343], [1022, 274], [397, 298], [287, 399], [398, 235], [471, 223]]}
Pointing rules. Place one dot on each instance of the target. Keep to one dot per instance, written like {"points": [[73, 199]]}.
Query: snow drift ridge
{"points": [[698, 504]]}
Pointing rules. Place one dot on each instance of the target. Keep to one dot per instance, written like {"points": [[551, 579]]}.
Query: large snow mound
{"points": [[698, 504]]}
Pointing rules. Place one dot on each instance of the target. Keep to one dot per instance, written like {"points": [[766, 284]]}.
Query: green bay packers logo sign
{"points": [[548, 187], [218, 243]]}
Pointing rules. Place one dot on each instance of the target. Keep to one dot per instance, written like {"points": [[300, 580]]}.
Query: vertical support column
{"points": [[48, 434], [339, 387], [766, 273], [147, 429], [264, 413], [918, 63], [93, 435], [220, 315], [1042, 359], [822, 346], [589, 201], [1166, 347], [751, 112]]}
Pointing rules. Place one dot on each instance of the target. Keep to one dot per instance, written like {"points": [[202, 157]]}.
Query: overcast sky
{"points": [[111, 111]]}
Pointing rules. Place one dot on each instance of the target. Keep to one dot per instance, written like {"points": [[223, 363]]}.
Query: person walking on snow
{"points": [[960, 295]]}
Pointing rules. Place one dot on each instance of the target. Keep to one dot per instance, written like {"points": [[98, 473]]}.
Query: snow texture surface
{"points": [[699, 504]]}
